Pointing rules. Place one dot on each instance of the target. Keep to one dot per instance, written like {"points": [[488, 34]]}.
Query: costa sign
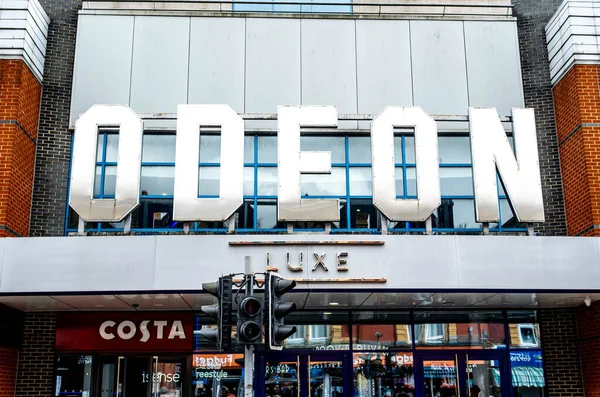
{"points": [[490, 151], [124, 331]]}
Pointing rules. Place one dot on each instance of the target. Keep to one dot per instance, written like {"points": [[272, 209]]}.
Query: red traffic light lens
{"points": [[250, 306]]}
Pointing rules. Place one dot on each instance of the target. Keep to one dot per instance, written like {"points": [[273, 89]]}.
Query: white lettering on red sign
{"points": [[126, 330]]}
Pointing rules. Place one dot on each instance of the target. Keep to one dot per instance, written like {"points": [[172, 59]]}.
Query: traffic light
{"points": [[277, 309], [221, 311], [249, 323]]}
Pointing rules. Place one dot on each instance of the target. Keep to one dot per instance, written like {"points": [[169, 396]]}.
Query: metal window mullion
{"points": [[103, 165], [255, 193], [347, 165], [404, 182], [499, 204]]}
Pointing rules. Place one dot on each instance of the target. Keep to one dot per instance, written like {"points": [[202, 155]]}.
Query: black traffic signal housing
{"points": [[276, 309], [221, 311], [249, 320]]}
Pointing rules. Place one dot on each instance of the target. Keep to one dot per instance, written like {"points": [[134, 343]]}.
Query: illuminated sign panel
{"points": [[490, 149]]}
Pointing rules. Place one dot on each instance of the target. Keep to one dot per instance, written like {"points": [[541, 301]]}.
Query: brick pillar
{"points": [[36, 359], [577, 104], [588, 326], [562, 363], [20, 94], [8, 371]]}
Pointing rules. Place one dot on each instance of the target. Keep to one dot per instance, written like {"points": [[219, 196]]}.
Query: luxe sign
{"points": [[490, 151]]}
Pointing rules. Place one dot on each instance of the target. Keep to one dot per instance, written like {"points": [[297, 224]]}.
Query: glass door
{"points": [[463, 374], [304, 375]]}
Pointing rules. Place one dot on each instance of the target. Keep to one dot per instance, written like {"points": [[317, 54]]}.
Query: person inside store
{"points": [[276, 392], [225, 392], [475, 390]]}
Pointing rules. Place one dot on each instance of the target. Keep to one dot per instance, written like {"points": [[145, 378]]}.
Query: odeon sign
{"points": [[490, 152]]}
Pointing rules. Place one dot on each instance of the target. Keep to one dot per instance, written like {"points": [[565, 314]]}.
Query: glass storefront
{"points": [[334, 354]]}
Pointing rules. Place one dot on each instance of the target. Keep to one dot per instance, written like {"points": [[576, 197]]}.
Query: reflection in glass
{"points": [[281, 378], [154, 214], [110, 180], [208, 181], [206, 384], [397, 150], [483, 378], [112, 148], [74, 375], [210, 148], [319, 336], [334, 144], [509, 220], [266, 217], [399, 181], [158, 148], [326, 378], [359, 149], [527, 372], [157, 181], [267, 149], [525, 336], [360, 181], [439, 378], [456, 213], [411, 181], [244, 216], [248, 149], [455, 181], [333, 184], [248, 181], [409, 148], [267, 181], [383, 374], [483, 335], [454, 149]]}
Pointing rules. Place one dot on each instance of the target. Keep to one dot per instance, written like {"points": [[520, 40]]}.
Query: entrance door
{"points": [[304, 375], [471, 374], [143, 376]]}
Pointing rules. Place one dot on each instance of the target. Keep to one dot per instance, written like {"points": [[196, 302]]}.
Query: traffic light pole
{"points": [[249, 349]]}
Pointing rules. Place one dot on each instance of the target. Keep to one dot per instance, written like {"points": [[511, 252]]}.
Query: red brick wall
{"points": [[577, 109], [8, 371], [20, 94]]}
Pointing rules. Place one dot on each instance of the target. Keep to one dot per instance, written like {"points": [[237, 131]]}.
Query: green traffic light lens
{"points": [[250, 331]]}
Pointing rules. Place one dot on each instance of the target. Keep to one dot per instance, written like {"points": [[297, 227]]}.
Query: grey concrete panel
{"points": [[60, 264], [329, 63], [272, 64], [439, 68], [160, 64], [528, 263], [383, 64], [217, 62], [493, 67], [102, 69]]}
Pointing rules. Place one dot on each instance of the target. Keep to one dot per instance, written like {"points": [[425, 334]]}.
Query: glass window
{"points": [[456, 214], [208, 181], [411, 181], [527, 371], [380, 330], [267, 149], [381, 373], [359, 149], [333, 184], [244, 216], [248, 181], [456, 181], [509, 220], [363, 214], [112, 148], [319, 331], [360, 181], [334, 144], [110, 180], [266, 217], [484, 330], [267, 181], [217, 374], [73, 376], [399, 181], [454, 149], [157, 181], [398, 150], [409, 149], [249, 149], [210, 148], [158, 148], [154, 213]]}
